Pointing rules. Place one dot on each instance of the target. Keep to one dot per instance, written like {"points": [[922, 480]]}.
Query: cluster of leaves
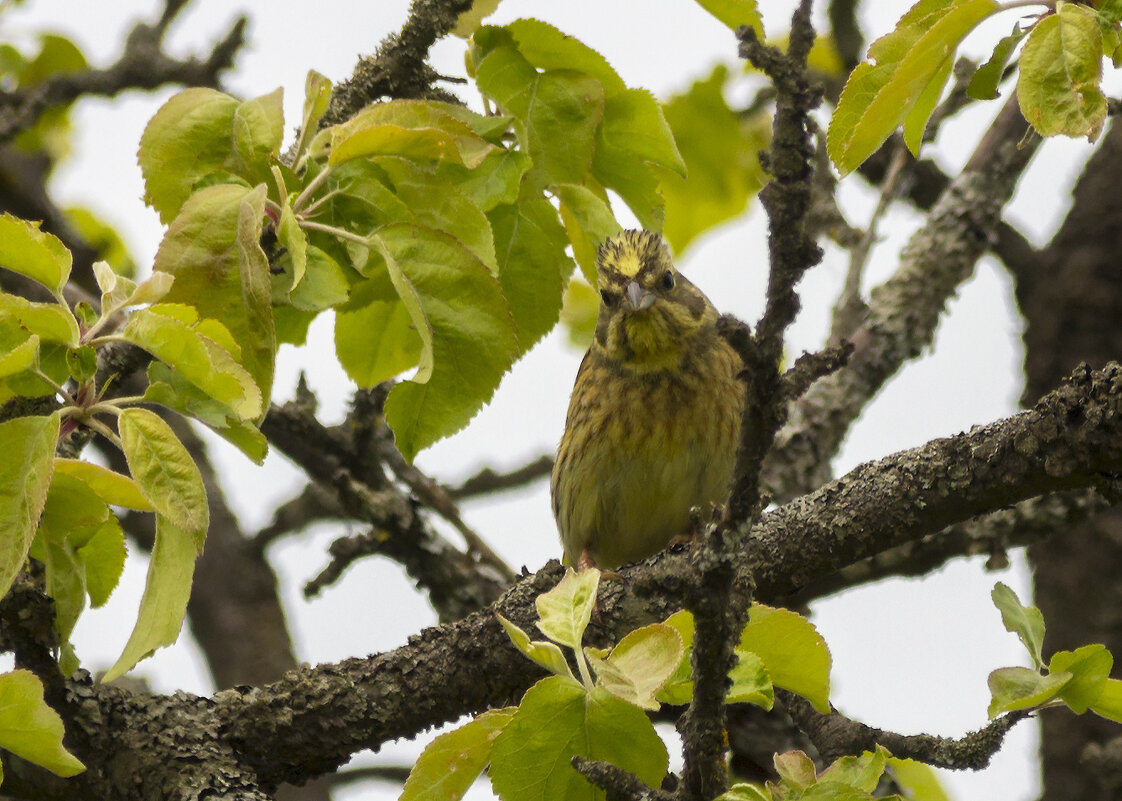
{"points": [[600, 715], [1079, 679], [1058, 80], [851, 778], [61, 511]]}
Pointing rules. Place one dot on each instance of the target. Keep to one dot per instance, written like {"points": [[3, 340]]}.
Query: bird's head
{"points": [[649, 312]]}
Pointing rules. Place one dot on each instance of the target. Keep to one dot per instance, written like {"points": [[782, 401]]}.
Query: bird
{"points": [[654, 417]]}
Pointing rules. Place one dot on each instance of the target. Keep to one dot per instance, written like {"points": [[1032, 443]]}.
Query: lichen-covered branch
{"points": [[904, 311], [314, 718]]}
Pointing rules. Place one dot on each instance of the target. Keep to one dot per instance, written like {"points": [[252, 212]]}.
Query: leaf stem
{"points": [[58, 388], [582, 666], [310, 209], [339, 232], [104, 430], [310, 189]]}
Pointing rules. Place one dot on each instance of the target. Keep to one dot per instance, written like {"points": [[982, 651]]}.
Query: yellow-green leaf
{"points": [[566, 609], [792, 650], [26, 250], [187, 139], [453, 761], [164, 471], [1060, 71], [880, 94], [29, 728], [28, 445], [109, 485], [166, 590], [546, 654]]}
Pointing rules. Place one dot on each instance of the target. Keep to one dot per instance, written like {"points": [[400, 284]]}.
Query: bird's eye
{"points": [[668, 280], [608, 298]]}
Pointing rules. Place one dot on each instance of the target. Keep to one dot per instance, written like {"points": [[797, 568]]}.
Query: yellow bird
{"points": [[654, 417]]}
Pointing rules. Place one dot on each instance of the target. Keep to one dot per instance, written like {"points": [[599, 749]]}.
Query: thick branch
{"points": [[314, 719], [904, 312], [836, 736], [399, 68]]}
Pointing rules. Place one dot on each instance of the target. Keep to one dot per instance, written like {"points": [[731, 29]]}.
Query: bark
{"points": [[1072, 303]]}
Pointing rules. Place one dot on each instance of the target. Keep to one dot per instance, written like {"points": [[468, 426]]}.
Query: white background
{"points": [[912, 656]]}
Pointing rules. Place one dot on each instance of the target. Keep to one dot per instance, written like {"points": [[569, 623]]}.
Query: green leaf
{"points": [[1025, 621], [546, 654], [751, 683], [187, 139], [28, 445], [212, 250], [469, 21], [589, 221], [640, 664], [744, 792], [547, 48], [168, 388], [795, 769], [76, 524], [735, 13], [472, 331], [530, 245], [557, 112], [109, 485], [415, 129], [118, 292], [103, 561], [166, 590], [919, 782], [452, 762], [171, 333], [317, 97], [40, 256], [21, 358], [1109, 702], [291, 236], [1022, 688], [164, 471], [1089, 667], [29, 728], [324, 284], [678, 689], [720, 152], [877, 99], [50, 321], [496, 181], [437, 204], [566, 609], [82, 363], [634, 124], [792, 650], [916, 122], [860, 772], [377, 341], [1060, 71], [983, 84], [557, 720], [258, 128]]}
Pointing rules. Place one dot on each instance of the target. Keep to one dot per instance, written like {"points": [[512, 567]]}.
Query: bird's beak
{"points": [[637, 297]]}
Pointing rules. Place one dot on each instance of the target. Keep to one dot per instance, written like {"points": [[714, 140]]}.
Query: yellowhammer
{"points": [[654, 418]]}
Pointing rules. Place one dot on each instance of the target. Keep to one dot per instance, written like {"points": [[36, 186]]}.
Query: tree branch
{"points": [[835, 735], [142, 65], [904, 312]]}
